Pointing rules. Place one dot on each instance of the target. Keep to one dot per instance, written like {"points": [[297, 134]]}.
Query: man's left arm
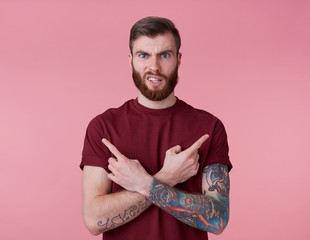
{"points": [[208, 211]]}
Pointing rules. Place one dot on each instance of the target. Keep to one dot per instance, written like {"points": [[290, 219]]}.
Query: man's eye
{"points": [[165, 55], [142, 55]]}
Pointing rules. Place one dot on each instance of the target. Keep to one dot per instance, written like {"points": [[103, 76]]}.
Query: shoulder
{"points": [[113, 112], [200, 115]]}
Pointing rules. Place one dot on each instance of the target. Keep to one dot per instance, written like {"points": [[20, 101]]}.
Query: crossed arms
{"points": [[103, 210]]}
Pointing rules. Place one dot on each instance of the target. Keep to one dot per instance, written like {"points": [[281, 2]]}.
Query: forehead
{"points": [[161, 42]]}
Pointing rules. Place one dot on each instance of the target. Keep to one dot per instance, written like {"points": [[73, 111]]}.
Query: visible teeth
{"points": [[154, 80]]}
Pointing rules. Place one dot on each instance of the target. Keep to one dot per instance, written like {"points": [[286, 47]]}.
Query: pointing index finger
{"points": [[112, 148], [196, 145]]}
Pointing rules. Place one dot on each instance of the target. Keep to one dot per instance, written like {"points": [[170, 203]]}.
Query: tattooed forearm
{"points": [[205, 212], [217, 178], [124, 217]]}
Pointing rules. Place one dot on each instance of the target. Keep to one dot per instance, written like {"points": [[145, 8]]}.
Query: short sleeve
{"points": [[94, 152], [219, 149]]}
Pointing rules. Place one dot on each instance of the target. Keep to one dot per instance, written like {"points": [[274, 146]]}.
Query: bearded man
{"points": [[156, 167]]}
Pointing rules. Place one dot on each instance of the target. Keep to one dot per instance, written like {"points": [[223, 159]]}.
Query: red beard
{"points": [[156, 95]]}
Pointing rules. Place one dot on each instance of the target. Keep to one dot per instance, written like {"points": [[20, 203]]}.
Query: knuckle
{"points": [[117, 168], [122, 159], [187, 155], [192, 161]]}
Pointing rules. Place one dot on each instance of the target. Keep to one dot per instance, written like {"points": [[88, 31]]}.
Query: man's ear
{"points": [[130, 60], [179, 58]]}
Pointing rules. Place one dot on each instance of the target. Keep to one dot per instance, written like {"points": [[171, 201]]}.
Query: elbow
{"points": [[221, 225], [217, 231], [94, 223], [94, 231], [94, 226]]}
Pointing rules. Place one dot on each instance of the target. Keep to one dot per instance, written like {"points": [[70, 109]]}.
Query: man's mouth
{"points": [[154, 79]]}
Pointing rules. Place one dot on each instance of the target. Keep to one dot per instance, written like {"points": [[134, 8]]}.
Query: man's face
{"points": [[155, 65]]}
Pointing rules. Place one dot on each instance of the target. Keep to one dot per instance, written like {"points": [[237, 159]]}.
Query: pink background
{"points": [[63, 62]]}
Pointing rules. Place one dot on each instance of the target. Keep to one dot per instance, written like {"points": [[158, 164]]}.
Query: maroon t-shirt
{"points": [[146, 134]]}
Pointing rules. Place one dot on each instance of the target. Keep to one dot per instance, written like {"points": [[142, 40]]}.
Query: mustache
{"points": [[156, 74]]}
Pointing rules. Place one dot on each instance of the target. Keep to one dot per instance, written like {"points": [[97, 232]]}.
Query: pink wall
{"points": [[63, 62]]}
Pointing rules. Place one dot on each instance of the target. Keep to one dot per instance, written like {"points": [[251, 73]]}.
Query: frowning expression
{"points": [[155, 63]]}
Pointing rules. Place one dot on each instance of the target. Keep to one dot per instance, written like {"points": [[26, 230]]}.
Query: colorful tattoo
{"points": [[128, 215], [205, 212], [217, 179]]}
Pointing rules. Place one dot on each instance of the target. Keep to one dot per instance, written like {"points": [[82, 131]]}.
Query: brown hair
{"points": [[151, 27]]}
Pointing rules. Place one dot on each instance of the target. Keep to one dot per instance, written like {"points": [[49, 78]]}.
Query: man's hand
{"points": [[179, 165], [126, 172]]}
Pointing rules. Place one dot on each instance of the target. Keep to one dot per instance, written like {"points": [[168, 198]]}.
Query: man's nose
{"points": [[154, 64]]}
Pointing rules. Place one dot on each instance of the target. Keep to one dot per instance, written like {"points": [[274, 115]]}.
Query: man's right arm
{"points": [[103, 210]]}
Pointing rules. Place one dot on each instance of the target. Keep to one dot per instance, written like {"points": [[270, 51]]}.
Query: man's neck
{"points": [[167, 102]]}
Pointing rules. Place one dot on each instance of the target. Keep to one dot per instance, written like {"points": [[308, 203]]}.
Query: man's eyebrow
{"points": [[141, 51], [166, 51]]}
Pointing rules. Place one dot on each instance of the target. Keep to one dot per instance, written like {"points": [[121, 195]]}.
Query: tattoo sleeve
{"points": [[124, 217], [207, 212]]}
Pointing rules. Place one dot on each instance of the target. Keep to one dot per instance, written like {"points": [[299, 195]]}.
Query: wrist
{"points": [[165, 177], [145, 186]]}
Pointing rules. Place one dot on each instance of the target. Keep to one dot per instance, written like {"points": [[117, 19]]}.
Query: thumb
{"points": [[174, 150]]}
